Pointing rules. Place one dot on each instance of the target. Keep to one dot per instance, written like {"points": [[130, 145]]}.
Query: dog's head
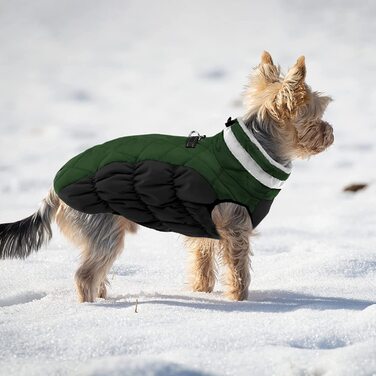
{"points": [[289, 108]]}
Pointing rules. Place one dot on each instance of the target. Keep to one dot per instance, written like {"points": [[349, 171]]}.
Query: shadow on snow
{"points": [[258, 301]]}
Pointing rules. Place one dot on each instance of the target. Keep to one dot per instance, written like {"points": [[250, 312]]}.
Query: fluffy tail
{"points": [[19, 239]]}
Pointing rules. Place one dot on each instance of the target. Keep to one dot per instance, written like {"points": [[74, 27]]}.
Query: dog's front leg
{"points": [[202, 276], [234, 226], [236, 255]]}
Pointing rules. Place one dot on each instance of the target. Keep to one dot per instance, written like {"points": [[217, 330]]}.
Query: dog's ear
{"points": [[266, 58], [322, 102], [292, 94], [266, 71], [263, 86]]}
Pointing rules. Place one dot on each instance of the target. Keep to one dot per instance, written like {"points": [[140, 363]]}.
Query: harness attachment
{"points": [[230, 122], [193, 138]]}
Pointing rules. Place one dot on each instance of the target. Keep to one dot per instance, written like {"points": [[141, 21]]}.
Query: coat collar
{"points": [[253, 157]]}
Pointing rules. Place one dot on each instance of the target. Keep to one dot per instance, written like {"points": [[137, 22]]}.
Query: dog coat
{"points": [[162, 182]]}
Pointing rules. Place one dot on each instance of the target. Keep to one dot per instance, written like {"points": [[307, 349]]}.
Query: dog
{"points": [[284, 118]]}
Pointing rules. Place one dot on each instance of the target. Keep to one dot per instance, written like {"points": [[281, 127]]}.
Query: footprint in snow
{"points": [[80, 96], [22, 298]]}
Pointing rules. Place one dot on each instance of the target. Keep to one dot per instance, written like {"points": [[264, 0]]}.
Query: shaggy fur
{"points": [[285, 116], [19, 239]]}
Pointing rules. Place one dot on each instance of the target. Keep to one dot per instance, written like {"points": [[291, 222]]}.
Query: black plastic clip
{"points": [[230, 122], [193, 139]]}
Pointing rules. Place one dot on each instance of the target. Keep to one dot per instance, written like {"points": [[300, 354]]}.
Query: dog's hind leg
{"points": [[105, 237], [102, 292], [203, 264], [91, 275], [234, 226], [101, 238]]}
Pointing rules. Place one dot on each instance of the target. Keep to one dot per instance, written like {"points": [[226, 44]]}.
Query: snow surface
{"points": [[76, 73]]}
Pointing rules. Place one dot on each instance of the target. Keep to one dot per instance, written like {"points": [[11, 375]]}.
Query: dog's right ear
{"points": [[293, 92]]}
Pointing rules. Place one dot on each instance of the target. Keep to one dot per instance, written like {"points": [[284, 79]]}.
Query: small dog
{"points": [[285, 117]]}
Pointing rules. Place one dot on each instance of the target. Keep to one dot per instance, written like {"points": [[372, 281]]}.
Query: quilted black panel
{"points": [[152, 193]]}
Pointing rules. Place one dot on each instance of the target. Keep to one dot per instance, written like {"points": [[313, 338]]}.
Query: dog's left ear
{"points": [[263, 86], [292, 94], [267, 72]]}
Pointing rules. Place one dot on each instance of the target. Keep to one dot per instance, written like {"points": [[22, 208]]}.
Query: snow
{"points": [[74, 74]]}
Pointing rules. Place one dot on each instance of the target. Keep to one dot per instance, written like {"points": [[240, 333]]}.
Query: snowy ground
{"points": [[74, 74]]}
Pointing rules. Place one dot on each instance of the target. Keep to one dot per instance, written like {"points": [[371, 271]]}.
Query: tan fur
{"points": [[234, 227], [291, 115], [202, 276], [289, 104], [67, 227], [95, 261]]}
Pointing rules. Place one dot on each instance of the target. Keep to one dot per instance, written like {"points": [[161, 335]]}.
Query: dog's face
{"points": [[290, 108]]}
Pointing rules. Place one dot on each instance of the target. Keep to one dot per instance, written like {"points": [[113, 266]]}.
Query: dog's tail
{"points": [[19, 239]]}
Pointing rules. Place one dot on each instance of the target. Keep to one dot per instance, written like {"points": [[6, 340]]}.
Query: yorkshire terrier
{"points": [[285, 117]]}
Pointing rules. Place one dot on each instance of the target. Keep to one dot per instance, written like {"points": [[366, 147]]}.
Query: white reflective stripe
{"points": [[286, 169], [248, 162]]}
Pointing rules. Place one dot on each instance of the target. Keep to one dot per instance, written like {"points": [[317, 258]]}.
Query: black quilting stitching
{"points": [[223, 171], [120, 152], [146, 206], [153, 210], [100, 199], [217, 176], [196, 155], [181, 202], [171, 150], [143, 148], [75, 167], [139, 199], [82, 169], [160, 157], [186, 162]]}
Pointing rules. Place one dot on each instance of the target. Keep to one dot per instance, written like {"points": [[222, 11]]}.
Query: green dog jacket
{"points": [[157, 181]]}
